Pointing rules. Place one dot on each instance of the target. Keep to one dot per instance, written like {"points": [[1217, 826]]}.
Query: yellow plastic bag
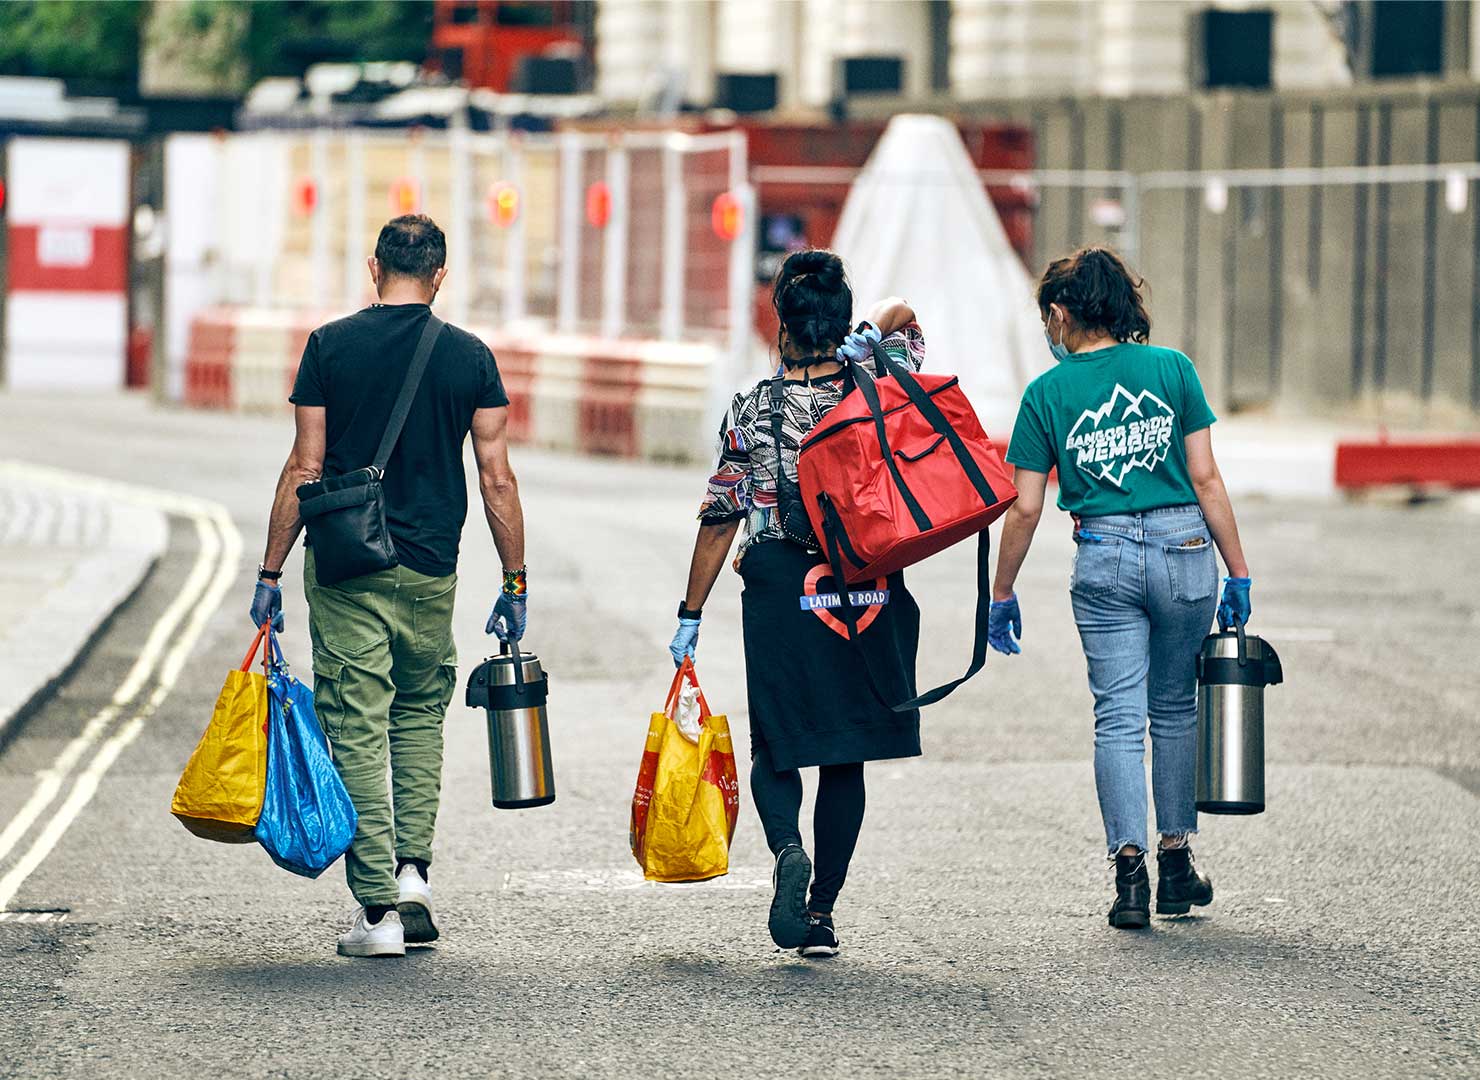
{"points": [[219, 796], [688, 797]]}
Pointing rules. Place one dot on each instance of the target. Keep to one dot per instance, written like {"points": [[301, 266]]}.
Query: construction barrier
{"points": [[1452, 464], [635, 399]]}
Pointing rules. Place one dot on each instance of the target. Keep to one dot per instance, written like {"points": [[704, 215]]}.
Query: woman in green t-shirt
{"points": [[1127, 427]]}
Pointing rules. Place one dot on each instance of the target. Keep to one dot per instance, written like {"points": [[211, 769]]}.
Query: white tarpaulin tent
{"points": [[918, 224]]}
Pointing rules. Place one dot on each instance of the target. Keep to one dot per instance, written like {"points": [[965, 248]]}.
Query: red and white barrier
{"points": [[1432, 462], [638, 399], [66, 308]]}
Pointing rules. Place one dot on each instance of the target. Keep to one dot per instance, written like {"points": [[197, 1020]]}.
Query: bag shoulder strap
{"points": [[833, 532], [402, 409], [866, 385], [938, 422], [790, 503]]}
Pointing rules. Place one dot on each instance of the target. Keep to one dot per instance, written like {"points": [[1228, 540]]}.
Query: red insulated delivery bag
{"points": [[900, 470]]}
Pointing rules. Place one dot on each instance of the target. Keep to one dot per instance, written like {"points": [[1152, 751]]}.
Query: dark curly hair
{"points": [[411, 245], [1099, 292], [814, 302]]}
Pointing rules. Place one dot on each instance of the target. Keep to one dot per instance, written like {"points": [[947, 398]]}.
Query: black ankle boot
{"points": [[1178, 883], [1132, 907]]}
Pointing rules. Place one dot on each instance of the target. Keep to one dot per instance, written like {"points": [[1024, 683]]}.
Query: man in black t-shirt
{"points": [[384, 663]]}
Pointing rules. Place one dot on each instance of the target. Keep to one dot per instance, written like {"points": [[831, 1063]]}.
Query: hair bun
{"points": [[824, 266], [812, 301]]}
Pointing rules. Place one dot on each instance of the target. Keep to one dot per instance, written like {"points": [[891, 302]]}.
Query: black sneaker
{"points": [[793, 873], [1179, 885], [1132, 907], [822, 939]]}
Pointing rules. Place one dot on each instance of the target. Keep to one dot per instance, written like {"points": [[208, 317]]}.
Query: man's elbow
{"points": [[498, 487], [299, 472]]}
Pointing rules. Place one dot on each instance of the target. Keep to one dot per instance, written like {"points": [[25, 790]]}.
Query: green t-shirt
{"points": [[1113, 421]]}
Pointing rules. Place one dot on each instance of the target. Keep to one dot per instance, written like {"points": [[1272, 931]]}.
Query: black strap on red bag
{"points": [[836, 536]]}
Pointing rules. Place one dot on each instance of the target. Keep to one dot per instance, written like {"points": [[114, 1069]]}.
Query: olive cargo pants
{"points": [[384, 668]]}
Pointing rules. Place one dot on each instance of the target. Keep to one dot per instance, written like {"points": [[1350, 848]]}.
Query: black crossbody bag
{"points": [[345, 515]]}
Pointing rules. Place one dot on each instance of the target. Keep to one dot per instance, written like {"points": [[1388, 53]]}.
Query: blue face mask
{"points": [[1058, 348]]}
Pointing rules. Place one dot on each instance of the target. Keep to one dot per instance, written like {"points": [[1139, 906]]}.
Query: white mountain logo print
{"points": [[1130, 431]]}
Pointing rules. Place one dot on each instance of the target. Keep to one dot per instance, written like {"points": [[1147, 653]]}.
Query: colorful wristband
{"points": [[516, 582]]}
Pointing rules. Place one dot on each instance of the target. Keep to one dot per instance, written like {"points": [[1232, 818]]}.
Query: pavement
{"points": [[69, 557], [1344, 939]]}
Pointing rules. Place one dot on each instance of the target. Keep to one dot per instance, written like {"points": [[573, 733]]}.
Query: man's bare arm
{"points": [[305, 464], [498, 485]]}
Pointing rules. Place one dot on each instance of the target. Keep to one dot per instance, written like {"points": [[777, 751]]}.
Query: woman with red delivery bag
{"points": [[830, 642]]}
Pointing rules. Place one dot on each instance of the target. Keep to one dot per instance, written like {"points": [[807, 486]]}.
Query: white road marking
{"points": [[82, 792], [606, 880], [33, 916], [201, 594], [50, 781]]}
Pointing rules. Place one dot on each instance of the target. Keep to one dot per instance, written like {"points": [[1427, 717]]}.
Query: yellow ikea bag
{"points": [[219, 796], [687, 798]]}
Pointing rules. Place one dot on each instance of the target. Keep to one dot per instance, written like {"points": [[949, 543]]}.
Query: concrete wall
{"points": [[1309, 299]]}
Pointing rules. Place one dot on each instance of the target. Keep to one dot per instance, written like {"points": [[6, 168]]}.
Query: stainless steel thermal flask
{"points": [[513, 688], [1232, 671]]}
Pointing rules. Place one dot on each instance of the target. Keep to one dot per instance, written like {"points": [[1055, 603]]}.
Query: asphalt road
{"points": [[1345, 938]]}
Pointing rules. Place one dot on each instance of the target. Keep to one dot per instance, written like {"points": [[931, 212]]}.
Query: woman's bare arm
{"points": [[711, 549], [1017, 530], [1212, 496], [890, 315]]}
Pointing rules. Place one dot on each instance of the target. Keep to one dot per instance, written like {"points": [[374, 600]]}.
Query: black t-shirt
{"points": [[354, 367]]}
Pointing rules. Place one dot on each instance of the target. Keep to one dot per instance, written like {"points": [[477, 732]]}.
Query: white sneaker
{"points": [[385, 938], [415, 907]]}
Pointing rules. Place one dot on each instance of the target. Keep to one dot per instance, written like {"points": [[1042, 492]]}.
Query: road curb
{"points": [[47, 644]]}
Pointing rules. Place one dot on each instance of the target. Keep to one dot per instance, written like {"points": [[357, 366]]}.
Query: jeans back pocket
{"points": [[1192, 570], [1096, 566]]}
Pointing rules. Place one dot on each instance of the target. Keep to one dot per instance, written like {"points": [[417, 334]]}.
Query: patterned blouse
{"points": [[744, 482]]}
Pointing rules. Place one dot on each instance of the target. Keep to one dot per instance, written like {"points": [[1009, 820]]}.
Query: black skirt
{"points": [[810, 702]]}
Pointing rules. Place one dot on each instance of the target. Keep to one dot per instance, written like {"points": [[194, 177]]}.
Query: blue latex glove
{"points": [[1005, 622], [1235, 602], [510, 617], [858, 346], [685, 641], [267, 603]]}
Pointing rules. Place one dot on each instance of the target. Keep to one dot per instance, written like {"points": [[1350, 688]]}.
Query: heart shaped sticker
{"points": [[822, 572]]}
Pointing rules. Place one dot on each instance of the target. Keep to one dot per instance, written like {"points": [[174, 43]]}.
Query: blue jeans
{"points": [[1144, 594]]}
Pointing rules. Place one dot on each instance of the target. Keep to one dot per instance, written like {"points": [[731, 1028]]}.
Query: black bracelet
{"points": [[268, 575], [685, 613]]}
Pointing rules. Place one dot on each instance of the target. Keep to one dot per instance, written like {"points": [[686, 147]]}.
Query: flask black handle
{"points": [[511, 648]]}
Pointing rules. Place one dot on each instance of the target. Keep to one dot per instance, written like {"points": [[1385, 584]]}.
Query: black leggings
{"points": [[837, 818]]}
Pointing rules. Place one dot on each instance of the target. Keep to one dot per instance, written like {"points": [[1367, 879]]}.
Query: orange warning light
{"points": [[503, 203], [305, 196], [598, 204], [405, 196], [725, 216]]}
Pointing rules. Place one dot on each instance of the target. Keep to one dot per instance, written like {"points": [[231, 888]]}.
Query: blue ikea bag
{"points": [[307, 818]]}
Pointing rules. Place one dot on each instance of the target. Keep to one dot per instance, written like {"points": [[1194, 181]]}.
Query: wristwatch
{"points": [[268, 575], [685, 613]]}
